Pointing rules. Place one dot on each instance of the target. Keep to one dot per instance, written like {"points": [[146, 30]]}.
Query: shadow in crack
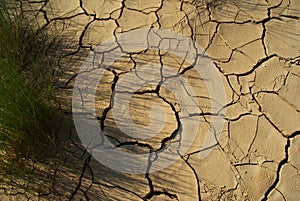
{"points": [[131, 149], [102, 182]]}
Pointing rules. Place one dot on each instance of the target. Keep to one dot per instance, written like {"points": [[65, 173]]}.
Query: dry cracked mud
{"points": [[254, 46]]}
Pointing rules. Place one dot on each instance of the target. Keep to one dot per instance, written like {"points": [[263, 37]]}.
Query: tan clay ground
{"points": [[255, 47]]}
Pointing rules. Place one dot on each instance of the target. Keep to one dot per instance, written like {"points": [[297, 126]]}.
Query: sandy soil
{"points": [[236, 140]]}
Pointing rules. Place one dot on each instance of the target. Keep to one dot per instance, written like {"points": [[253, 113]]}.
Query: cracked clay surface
{"points": [[255, 47]]}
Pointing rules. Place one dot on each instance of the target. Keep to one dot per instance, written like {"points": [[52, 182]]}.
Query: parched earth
{"points": [[228, 129]]}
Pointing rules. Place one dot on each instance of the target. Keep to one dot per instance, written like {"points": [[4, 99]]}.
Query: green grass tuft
{"points": [[27, 107]]}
